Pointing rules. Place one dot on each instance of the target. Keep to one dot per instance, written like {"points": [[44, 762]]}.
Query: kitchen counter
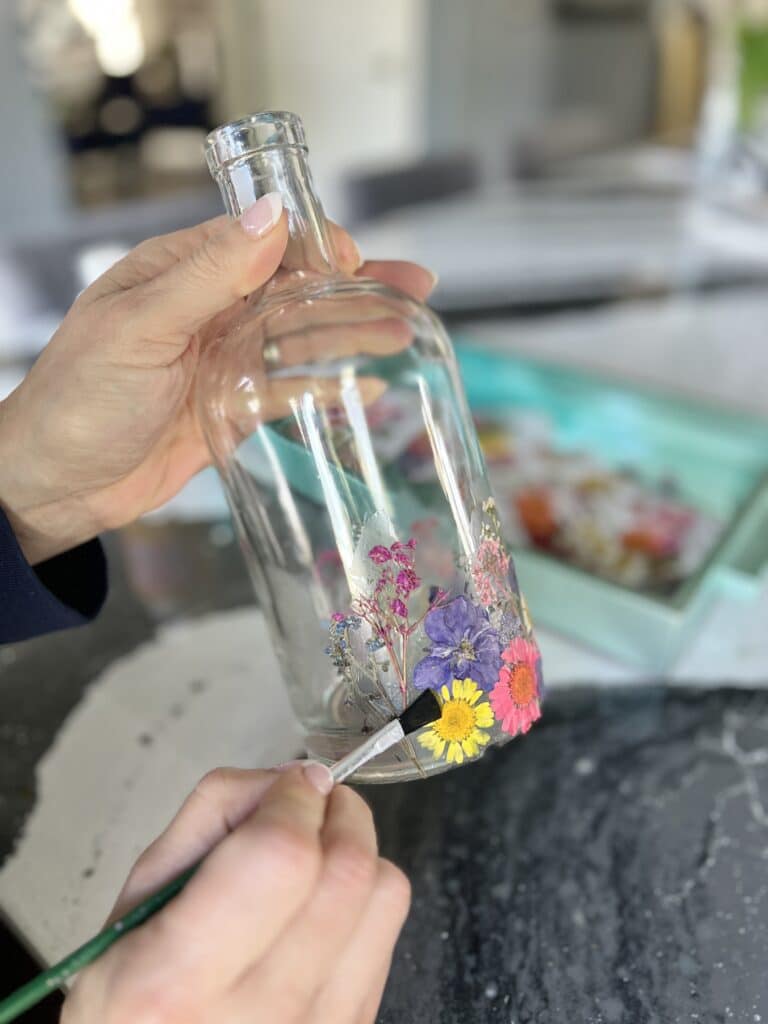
{"points": [[566, 244], [611, 866]]}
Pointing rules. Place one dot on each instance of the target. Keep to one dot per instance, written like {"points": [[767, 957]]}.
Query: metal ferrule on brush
{"points": [[381, 740]]}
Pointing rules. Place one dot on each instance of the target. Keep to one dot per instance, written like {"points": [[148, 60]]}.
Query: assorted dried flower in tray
{"points": [[607, 521]]}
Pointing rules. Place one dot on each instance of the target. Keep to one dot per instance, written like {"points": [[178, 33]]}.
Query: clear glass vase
{"points": [[337, 420]]}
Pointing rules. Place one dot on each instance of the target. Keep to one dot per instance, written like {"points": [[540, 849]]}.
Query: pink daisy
{"points": [[515, 697]]}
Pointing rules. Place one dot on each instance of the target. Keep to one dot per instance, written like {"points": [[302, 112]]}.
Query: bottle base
{"points": [[406, 762]]}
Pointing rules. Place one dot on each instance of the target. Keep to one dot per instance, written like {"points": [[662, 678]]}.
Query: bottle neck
{"points": [[285, 170]]}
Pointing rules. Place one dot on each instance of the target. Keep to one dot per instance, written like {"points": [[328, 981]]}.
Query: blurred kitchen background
{"points": [[589, 178]]}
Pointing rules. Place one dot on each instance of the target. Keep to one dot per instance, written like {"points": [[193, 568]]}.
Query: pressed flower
{"points": [[380, 554], [410, 544], [399, 608], [464, 646], [407, 581], [460, 730], [386, 579], [515, 698], [489, 571], [511, 625]]}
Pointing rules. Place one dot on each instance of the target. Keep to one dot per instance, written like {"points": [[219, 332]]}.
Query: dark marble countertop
{"points": [[610, 867]]}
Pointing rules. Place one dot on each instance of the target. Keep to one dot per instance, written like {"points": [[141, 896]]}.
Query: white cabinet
{"points": [[355, 72]]}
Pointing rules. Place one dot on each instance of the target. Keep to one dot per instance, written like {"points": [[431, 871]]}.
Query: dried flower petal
{"points": [[407, 581]]}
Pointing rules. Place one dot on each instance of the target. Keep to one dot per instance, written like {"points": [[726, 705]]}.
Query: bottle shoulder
{"points": [[302, 303], [318, 328], [340, 289]]}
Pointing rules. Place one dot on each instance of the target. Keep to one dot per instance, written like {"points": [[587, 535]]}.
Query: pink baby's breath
{"points": [[489, 572], [407, 581], [399, 545]]}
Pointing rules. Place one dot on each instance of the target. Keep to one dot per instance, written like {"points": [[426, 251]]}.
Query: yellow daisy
{"points": [[459, 730]]}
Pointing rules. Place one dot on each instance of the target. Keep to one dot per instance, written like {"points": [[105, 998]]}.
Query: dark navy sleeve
{"points": [[65, 591]]}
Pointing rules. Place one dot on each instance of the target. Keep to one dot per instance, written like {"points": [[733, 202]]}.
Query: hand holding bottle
{"points": [[103, 427], [292, 917]]}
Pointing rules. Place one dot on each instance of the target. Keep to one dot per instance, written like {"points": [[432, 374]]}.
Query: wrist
{"points": [[45, 532], [45, 527]]}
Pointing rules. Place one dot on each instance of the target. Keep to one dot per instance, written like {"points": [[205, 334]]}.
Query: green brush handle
{"points": [[34, 991]]}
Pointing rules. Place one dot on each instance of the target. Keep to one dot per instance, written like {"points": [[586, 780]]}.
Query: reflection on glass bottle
{"points": [[337, 419]]}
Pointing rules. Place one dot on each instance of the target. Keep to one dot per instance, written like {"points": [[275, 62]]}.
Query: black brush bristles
{"points": [[424, 710]]}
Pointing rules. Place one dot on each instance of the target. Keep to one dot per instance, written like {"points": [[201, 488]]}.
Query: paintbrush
{"points": [[424, 710]]}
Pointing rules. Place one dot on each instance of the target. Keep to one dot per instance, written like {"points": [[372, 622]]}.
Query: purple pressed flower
{"points": [[379, 554], [337, 617], [399, 608], [464, 646], [407, 581]]}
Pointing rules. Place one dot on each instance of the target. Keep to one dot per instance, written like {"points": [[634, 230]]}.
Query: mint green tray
{"points": [[719, 459]]}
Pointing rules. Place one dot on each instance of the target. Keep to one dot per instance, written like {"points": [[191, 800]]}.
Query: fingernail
{"points": [[319, 776], [435, 279], [260, 218]]}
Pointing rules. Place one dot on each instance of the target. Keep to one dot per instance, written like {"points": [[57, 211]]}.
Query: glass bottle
{"points": [[337, 420]]}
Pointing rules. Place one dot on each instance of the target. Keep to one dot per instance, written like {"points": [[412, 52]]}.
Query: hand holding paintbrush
{"points": [[283, 908]]}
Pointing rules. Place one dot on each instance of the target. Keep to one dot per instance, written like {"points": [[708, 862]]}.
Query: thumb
{"points": [[227, 266]]}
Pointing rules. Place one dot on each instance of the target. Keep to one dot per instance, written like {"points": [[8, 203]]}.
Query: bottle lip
{"points": [[266, 129]]}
